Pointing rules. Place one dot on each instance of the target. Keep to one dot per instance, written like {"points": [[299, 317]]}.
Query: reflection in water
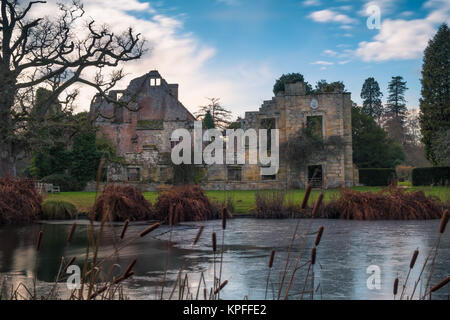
{"points": [[347, 249]]}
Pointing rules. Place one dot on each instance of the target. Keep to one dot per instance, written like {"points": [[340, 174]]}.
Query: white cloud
{"points": [[311, 3], [323, 63], [404, 39], [386, 7], [177, 54], [331, 16], [330, 53]]}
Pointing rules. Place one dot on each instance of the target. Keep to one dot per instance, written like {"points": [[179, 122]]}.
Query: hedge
{"points": [[438, 176], [66, 182], [376, 177]]}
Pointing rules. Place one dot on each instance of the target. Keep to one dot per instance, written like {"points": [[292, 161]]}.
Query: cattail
{"points": [[313, 256], [171, 214], [39, 242], [441, 284], [396, 286], [319, 236], [199, 234], [71, 233], [214, 242], [149, 229], [444, 221], [272, 257], [224, 218], [306, 197], [205, 293], [221, 287], [317, 205], [124, 229], [414, 259], [130, 266], [71, 261]]}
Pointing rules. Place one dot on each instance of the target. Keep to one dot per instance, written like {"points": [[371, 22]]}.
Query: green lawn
{"points": [[244, 201]]}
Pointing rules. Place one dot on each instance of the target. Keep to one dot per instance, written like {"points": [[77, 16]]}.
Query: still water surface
{"points": [[347, 249]]}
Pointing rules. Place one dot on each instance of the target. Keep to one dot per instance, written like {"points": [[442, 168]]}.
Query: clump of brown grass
{"points": [[121, 203], [389, 204], [19, 201], [188, 203]]}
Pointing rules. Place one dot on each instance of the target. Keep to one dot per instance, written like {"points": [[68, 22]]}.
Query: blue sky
{"points": [[236, 49]]}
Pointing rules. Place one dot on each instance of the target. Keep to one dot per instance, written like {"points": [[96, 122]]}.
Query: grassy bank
{"points": [[244, 201]]}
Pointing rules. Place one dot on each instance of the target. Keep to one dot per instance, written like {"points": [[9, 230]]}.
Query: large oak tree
{"points": [[54, 53]]}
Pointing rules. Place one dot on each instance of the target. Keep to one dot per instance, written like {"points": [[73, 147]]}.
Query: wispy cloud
{"points": [[311, 3], [400, 39], [232, 3], [331, 16], [323, 63]]}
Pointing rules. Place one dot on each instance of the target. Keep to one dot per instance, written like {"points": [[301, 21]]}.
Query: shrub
{"points": [[66, 182], [58, 210], [276, 205], [431, 176], [120, 203], [377, 177], [19, 201], [389, 204], [189, 204]]}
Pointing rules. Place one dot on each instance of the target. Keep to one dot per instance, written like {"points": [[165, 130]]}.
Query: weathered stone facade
{"points": [[142, 137]]}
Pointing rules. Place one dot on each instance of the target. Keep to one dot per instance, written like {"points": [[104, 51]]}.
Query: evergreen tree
{"points": [[219, 114], [371, 95], [208, 121], [372, 148], [435, 101], [396, 103]]}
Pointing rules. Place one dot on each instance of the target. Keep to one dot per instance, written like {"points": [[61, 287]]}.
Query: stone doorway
{"points": [[315, 176]]}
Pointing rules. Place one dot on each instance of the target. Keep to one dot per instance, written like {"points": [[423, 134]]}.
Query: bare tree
{"points": [[50, 53], [220, 115]]}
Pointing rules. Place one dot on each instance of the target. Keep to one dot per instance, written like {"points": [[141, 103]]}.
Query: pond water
{"points": [[347, 249]]}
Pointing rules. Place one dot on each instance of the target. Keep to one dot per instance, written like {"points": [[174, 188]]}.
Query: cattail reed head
{"points": [[313, 255], [441, 284], [71, 261], [221, 287], [171, 215], [124, 229], [214, 242], [317, 205], [444, 221], [130, 267], [272, 257], [149, 229], [396, 286], [319, 236], [224, 218], [71, 233], [199, 234], [39, 240], [306, 197], [414, 259]]}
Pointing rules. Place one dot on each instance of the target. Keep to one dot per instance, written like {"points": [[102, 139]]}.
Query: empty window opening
{"points": [[269, 124], [155, 82], [315, 176], [314, 126], [134, 174], [234, 174]]}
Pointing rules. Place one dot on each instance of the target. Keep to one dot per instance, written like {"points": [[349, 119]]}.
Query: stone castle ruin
{"points": [[141, 133]]}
